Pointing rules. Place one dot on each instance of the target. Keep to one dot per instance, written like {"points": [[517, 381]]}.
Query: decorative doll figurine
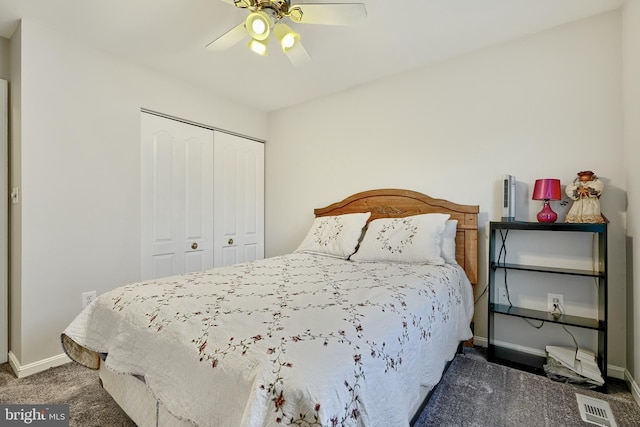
{"points": [[585, 190]]}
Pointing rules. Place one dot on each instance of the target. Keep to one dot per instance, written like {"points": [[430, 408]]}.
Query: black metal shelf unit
{"points": [[599, 324]]}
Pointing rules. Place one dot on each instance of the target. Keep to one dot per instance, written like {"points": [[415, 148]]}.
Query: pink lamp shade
{"points": [[547, 189]]}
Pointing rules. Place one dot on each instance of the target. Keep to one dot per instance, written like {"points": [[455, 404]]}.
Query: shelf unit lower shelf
{"points": [[563, 319], [525, 362], [516, 359], [556, 270]]}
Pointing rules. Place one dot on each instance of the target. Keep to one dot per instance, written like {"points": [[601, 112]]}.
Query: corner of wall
{"points": [[15, 138], [22, 371], [5, 69], [632, 385], [631, 109]]}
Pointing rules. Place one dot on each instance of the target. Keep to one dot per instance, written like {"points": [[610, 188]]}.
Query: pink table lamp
{"points": [[547, 189]]}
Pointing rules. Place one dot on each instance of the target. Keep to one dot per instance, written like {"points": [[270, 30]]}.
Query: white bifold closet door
{"points": [[199, 211]]}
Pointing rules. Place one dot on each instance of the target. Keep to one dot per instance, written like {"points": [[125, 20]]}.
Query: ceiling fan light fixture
{"points": [[258, 46], [265, 16], [258, 25], [286, 36]]}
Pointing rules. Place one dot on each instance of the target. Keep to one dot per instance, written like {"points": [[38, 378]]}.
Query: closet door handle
{"points": [[194, 246], [230, 241]]}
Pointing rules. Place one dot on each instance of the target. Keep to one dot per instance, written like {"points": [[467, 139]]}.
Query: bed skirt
{"points": [[137, 401]]}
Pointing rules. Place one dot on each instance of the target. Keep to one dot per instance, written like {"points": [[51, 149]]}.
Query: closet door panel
{"points": [[238, 199], [163, 265], [198, 204], [165, 180], [177, 198], [229, 255]]}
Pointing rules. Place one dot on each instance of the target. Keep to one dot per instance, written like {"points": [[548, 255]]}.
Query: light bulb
{"points": [[286, 36], [258, 26], [288, 41], [258, 46]]}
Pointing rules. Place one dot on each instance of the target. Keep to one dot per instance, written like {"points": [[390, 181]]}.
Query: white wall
{"points": [[548, 105], [631, 76], [78, 167]]}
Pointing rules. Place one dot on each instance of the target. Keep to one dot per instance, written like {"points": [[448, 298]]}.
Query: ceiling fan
{"points": [[267, 17]]}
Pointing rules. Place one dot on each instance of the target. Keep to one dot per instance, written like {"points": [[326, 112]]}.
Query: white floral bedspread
{"points": [[299, 339]]}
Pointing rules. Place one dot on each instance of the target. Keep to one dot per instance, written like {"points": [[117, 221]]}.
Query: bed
{"points": [[319, 337]]}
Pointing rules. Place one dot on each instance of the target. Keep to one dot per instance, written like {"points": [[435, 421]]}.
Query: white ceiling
{"points": [[170, 36]]}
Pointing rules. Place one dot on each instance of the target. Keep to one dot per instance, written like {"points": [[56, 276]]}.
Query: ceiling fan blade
{"points": [[240, 3], [230, 38], [330, 13], [298, 55]]}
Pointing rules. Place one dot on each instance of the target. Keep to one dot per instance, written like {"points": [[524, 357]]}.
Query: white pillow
{"points": [[335, 235], [448, 243], [414, 239]]}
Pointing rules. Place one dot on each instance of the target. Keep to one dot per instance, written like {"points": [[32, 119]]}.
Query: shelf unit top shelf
{"points": [[542, 226]]}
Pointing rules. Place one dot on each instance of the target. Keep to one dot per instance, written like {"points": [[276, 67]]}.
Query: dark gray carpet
{"points": [[73, 384], [473, 392]]}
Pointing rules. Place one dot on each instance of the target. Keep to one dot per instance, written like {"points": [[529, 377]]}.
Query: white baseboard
{"points": [[480, 341], [22, 371], [612, 370], [632, 385]]}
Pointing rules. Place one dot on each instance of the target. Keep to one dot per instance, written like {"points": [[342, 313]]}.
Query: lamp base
{"points": [[547, 214]]}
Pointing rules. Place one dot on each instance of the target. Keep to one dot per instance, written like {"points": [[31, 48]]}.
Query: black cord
{"points": [[502, 254], [503, 247], [486, 288], [532, 325]]}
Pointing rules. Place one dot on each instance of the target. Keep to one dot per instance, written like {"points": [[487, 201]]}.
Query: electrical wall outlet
{"points": [[502, 296], [555, 303], [87, 297]]}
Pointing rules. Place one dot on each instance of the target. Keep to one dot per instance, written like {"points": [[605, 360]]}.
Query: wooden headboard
{"points": [[396, 203]]}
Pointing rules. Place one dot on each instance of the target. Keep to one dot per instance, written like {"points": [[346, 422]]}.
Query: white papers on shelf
{"points": [[581, 361]]}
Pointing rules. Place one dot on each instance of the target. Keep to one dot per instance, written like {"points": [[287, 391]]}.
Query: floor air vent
{"points": [[595, 411]]}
